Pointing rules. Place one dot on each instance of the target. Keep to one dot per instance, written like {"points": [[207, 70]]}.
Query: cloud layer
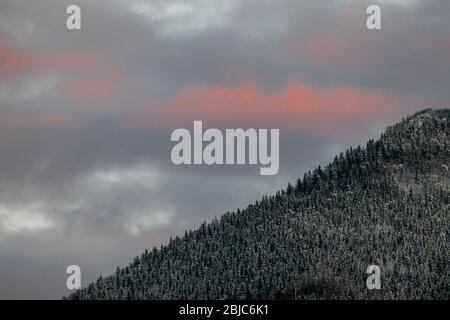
{"points": [[86, 116]]}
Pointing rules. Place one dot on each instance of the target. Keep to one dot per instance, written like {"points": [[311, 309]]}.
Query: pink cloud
{"points": [[90, 76], [94, 88], [16, 62], [333, 49], [47, 122], [296, 107]]}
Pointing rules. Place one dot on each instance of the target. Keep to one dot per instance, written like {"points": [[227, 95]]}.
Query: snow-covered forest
{"points": [[385, 204]]}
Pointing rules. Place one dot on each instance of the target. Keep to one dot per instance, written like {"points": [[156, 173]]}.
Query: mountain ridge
{"points": [[385, 204]]}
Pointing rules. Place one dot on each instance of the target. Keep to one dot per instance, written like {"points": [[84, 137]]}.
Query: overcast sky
{"points": [[86, 116]]}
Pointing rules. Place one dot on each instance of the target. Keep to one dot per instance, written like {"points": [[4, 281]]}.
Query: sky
{"points": [[86, 115]]}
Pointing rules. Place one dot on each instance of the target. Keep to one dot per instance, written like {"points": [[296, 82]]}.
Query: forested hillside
{"points": [[385, 204]]}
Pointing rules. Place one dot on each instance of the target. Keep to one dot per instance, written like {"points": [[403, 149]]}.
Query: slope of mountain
{"points": [[386, 204]]}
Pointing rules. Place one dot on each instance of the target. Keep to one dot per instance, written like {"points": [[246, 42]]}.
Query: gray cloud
{"points": [[81, 183]]}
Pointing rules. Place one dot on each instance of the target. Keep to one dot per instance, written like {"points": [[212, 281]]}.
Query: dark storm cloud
{"points": [[82, 182]]}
